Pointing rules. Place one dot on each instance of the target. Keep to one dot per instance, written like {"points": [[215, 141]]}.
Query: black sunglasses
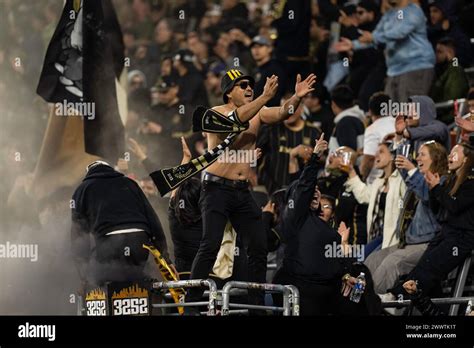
{"points": [[243, 85]]}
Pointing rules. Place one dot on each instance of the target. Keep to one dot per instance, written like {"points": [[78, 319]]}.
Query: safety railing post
{"points": [[192, 283], [295, 300], [289, 295]]}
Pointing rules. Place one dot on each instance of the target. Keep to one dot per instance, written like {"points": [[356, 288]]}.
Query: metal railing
{"points": [[291, 298], [449, 103], [448, 300], [185, 284]]}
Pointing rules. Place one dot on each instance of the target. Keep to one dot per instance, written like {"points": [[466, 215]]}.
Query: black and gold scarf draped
{"points": [[410, 203], [204, 120]]}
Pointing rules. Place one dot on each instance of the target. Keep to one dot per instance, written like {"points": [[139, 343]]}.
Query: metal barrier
{"points": [[291, 298], [460, 283], [448, 300], [449, 103], [192, 283], [295, 299]]}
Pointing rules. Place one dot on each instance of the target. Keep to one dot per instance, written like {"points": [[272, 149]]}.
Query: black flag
{"points": [[84, 57]]}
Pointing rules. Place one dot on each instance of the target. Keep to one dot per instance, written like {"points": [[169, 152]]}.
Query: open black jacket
{"points": [[309, 252], [458, 210]]}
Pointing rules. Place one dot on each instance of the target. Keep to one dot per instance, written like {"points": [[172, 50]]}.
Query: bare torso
{"points": [[225, 166]]}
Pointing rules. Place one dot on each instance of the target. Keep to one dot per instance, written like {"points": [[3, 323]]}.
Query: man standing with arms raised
{"points": [[225, 192]]}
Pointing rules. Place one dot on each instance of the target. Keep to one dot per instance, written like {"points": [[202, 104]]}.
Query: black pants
{"points": [[219, 204], [119, 257], [315, 299], [444, 253]]}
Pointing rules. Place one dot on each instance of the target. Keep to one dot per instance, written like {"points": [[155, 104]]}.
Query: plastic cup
{"points": [[346, 161], [405, 150]]}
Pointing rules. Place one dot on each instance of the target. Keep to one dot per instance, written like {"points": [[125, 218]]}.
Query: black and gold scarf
{"points": [[204, 120], [410, 203]]}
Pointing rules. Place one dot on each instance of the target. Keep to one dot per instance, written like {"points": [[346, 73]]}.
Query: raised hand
{"points": [[269, 207], [302, 88], [321, 145], [401, 162], [343, 45], [400, 124], [154, 127], [136, 149], [271, 87], [301, 151], [432, 179], [343, 231], [366, 37]]}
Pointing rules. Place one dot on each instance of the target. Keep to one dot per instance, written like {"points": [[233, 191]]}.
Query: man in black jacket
{"points": [[292, 21], [114, 210], [262, 48], [311, 261]]}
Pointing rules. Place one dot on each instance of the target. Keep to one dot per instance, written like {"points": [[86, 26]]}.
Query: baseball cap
{"points": [[260, 40], [165, 82], [184, 55], [230, 78]]}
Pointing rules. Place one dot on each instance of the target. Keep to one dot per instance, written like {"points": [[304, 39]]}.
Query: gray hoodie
{"points": [[429, 128]]}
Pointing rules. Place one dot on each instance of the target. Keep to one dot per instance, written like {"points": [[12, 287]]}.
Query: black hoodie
{"points": [[106, 200], [307, 236]]}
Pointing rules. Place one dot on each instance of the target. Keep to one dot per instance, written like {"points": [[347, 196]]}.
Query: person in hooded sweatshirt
{"points": [[349, 121], [113, 210], [419, 124], [308, 262]]}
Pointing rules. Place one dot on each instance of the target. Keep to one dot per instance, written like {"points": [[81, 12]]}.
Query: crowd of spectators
{"points": [[386, 176]]}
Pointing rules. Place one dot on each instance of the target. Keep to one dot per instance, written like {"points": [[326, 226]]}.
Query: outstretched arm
{"points": [[278, 114], [299, 203], [248, 111]]}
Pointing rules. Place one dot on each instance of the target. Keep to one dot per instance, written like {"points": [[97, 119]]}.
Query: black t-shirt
{"points": [[276, 142], [192, 90], [324, 119], [272, 67]]}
